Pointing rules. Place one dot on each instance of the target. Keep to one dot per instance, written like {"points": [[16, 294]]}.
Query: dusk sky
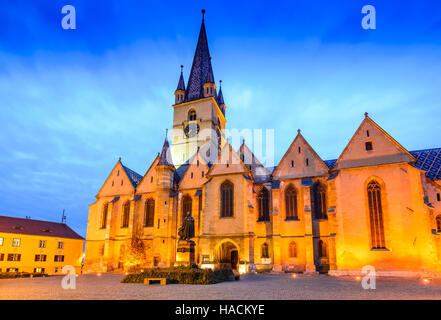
{"points": [[74, 101]]}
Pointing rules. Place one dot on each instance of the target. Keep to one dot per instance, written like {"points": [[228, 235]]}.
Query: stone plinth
{"points": [[185, 253]]}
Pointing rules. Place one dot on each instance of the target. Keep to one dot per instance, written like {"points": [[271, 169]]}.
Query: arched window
{"points": [[186, 206], [291, 203], [376, 215], [191, 115], [126, 215], [104, 216], [438, 223], [265, 251], [319, 201], [263, 204], [227, 199], [293, 250], [322, 249], [149, 213]]}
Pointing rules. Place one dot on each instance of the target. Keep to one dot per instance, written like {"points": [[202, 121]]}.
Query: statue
{"points": [[186, 231]]}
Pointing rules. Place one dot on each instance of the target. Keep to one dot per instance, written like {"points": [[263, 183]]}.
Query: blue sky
{"points": [[73, 101]]}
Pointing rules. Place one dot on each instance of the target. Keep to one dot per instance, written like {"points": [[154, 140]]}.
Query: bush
{"points": [[182, 275], [13, 275]]}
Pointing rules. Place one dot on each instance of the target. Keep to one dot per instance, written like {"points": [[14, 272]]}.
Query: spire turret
{"points": [[180, 90], [165, 158]]}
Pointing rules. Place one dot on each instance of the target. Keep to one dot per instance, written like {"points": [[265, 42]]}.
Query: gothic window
{"points": [[263, 204], [319, 201], [104, 216], [265, 251], [186, 206], [191, 115], [227, 199], [125, 216], [149, 213], [376, 215], [291, 203], [322, 249], [438, 223], [292, 250]]}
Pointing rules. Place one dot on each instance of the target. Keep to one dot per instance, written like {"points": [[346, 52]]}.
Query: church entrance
{"points": [[227, 255]]}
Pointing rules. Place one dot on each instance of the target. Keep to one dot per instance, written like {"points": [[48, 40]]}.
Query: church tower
{"points": [[199, 111]]}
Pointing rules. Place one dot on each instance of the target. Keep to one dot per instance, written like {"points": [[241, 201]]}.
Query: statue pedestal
{"points": [[185, 253]]}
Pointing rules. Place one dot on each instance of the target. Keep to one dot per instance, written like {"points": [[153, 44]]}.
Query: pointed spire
{"points": [[201, 66], [165, 157], [181, 83], [220, 97]]}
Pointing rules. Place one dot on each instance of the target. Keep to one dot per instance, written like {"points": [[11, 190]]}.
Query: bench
{"points": [[162, 281]]}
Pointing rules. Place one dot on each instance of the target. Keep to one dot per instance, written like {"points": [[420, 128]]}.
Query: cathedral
{"points": [[378, 204]]}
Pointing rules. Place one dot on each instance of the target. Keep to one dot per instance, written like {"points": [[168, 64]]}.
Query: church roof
{"points": [[134, 177], [220, 97], [37, 228], [165, 157], [200, 69], [429, 160]]}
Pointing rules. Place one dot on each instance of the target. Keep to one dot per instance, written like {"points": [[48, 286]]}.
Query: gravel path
{"points": [[261, 286]]}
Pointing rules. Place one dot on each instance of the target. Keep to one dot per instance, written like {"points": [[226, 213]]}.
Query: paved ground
{"points": [[262, 286]]}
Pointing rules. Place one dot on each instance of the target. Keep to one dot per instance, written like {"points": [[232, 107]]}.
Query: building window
{"points": [[367, 133], [291, 203], [60, 245], [307, 162], [2, 256], [292, 163], [125, 216], [319, 201], [263, 204], [59, 258], [16, 242], [299, 150], [376, 215], [192, 115], [438, 197], [38, 270], [187, 205], [104, 216], [1, 242], [227, 200], [14, 257], [322, 249], [42, 244], [151, 179], [293, 250], [438, 223], [265, 251], [191, 175], [40, 257], [12, 270], [368, 146], [203, 174], [149, 213]]}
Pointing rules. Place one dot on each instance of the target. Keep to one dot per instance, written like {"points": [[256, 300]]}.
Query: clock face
{"points": [[191, 130]]}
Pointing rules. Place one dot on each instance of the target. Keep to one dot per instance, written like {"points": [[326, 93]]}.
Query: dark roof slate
{"points": [[429, 160], [134, 177], [37, 227]]}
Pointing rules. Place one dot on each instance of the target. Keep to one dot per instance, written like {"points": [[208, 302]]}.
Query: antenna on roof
{"points": [[63, 218]]}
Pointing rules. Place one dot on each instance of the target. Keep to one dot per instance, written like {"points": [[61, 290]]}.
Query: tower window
{"points": [[368, 146], [192, 115], [197, 163]]}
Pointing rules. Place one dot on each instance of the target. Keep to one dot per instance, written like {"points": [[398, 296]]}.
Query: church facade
{"points": [[377, 204]]}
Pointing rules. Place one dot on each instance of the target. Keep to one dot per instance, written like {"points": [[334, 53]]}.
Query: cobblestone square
{"points": [[259, 286]]}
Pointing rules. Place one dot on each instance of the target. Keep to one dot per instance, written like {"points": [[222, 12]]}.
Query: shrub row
{"points": [[182, 275]]}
